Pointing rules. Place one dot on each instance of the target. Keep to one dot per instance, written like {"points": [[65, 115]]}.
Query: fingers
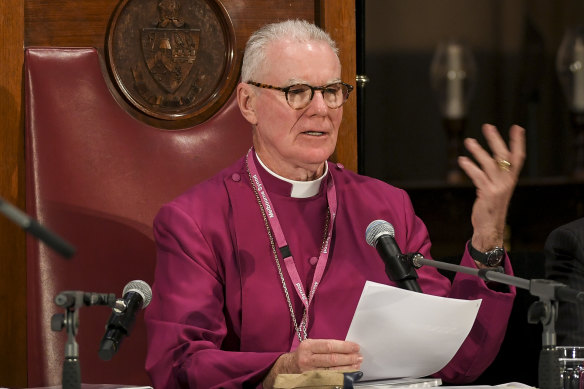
{"points": [[328, 354], [495, 141], [507, 159], [474, 172], [517, 144], [333, 362], [503, 163], [327, 346]]}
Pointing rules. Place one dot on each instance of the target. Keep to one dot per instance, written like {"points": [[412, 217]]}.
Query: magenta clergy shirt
{"points": [[219, 317]]}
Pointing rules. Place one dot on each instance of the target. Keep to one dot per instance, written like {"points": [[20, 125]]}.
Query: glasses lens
{"points": [[299, 96], [335, 94]]}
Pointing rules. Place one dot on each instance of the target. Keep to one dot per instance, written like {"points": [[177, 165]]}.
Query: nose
{"points": [[318, 102]]}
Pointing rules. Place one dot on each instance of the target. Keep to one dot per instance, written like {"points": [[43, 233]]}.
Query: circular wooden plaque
{"points": [[172, 59]]}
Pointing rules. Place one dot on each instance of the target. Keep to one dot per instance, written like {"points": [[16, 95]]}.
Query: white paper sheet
{"points": [[408, 334]]}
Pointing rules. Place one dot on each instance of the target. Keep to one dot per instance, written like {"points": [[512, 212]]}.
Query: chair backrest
{"points": [[97, 176]]}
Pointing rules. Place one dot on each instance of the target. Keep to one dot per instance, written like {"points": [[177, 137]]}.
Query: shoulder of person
{"points": [[344, 176], [566, 241], [573, 230], [209, 194]]}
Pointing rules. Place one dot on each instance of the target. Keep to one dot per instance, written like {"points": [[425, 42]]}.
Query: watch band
{"points": [[491, 258]]}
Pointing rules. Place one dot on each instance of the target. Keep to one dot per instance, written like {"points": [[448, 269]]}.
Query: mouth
{"points": [[314, 133]]}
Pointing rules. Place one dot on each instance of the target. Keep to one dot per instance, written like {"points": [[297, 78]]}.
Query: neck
{"points": [[292, 172], [300, 189]]}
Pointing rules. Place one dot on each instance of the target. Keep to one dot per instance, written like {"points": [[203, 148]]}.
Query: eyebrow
{"points": [[294, 81]]}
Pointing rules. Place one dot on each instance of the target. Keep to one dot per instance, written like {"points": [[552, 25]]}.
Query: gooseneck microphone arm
{"points": [[545, 310], [537, 287]]}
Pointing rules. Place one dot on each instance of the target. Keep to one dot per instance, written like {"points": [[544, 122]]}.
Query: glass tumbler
{"points": [[571, 366]]}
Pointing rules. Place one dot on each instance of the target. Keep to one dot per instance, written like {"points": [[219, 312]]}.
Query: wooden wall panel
{"points": [[338, 18], [85, 22], [12, 238], [81, 23]]}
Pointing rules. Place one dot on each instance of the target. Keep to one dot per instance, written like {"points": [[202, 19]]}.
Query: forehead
{"points": [[314, 62]]}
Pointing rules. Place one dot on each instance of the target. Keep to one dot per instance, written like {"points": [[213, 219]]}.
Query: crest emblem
{"points": [[170, 55]]}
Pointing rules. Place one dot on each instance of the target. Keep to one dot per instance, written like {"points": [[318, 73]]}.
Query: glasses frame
{"points": [[312, 90]]}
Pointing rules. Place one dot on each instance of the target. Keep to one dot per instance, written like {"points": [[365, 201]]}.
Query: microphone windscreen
{"points": [[377, 229], [141, 288]]}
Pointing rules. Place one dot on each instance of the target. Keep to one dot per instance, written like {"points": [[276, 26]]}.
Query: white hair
{"points": [[296, 30]]}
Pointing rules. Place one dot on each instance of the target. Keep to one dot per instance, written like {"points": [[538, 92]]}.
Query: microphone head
{"points": [[376, 229], [140, 287]]}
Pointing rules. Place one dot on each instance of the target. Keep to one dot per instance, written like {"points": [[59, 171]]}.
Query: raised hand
{"points": [[495, 176]]}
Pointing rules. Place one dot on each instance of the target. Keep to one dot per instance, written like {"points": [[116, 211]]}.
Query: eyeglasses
{"points": [[299, 96]]}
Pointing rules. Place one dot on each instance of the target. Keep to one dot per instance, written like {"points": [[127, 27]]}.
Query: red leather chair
{"points": [[96, 176]]}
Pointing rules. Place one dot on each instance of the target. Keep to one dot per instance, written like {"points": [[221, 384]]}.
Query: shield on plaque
{"points": [[169, 54]]}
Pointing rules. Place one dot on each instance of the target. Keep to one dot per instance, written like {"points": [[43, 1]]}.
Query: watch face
{"points": [[495, 256]]}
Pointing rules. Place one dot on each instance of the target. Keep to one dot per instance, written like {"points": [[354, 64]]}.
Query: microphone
{"points": [[380, 234], [136, 295], [34, 228]]}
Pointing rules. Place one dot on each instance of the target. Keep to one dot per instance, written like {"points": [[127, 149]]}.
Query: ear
{"points": [[246, 100]]}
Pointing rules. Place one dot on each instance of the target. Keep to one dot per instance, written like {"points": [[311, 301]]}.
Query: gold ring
{"points": [[504, 164]]}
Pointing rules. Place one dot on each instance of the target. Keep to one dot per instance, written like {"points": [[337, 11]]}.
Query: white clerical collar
{"points": [[300, 189]]}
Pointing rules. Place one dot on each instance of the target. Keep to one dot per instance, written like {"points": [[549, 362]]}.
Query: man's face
{"points": [[289, 140]]}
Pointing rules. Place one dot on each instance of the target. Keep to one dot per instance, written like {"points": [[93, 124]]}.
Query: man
{"points": [[564, 262], [261, 267]]}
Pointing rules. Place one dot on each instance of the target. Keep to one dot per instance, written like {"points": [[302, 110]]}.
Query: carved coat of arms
{"points": [[170, 55], [171, 59]]}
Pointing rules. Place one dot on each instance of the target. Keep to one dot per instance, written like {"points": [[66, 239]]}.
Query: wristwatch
{"points": [[491, 258]]}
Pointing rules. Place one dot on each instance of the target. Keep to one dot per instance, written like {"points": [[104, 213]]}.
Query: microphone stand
{"points": [[545, 310], [72, 301]]}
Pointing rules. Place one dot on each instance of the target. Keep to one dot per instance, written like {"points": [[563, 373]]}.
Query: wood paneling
{"points": [[81, 23], [12, 239], [338, 18], [85, 22]]}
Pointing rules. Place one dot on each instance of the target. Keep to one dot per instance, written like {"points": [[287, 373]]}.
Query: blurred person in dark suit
{"points": [[564, 262]]}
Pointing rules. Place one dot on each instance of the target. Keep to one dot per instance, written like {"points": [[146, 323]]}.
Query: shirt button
{"points": [[313, 260], [236, 177], [340, 166]]}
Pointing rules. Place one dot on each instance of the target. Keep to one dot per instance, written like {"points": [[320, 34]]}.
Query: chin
{"points": [[318, 157]]}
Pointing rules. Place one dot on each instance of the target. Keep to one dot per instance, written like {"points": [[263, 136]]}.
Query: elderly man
{"points": [[261, 267]]}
